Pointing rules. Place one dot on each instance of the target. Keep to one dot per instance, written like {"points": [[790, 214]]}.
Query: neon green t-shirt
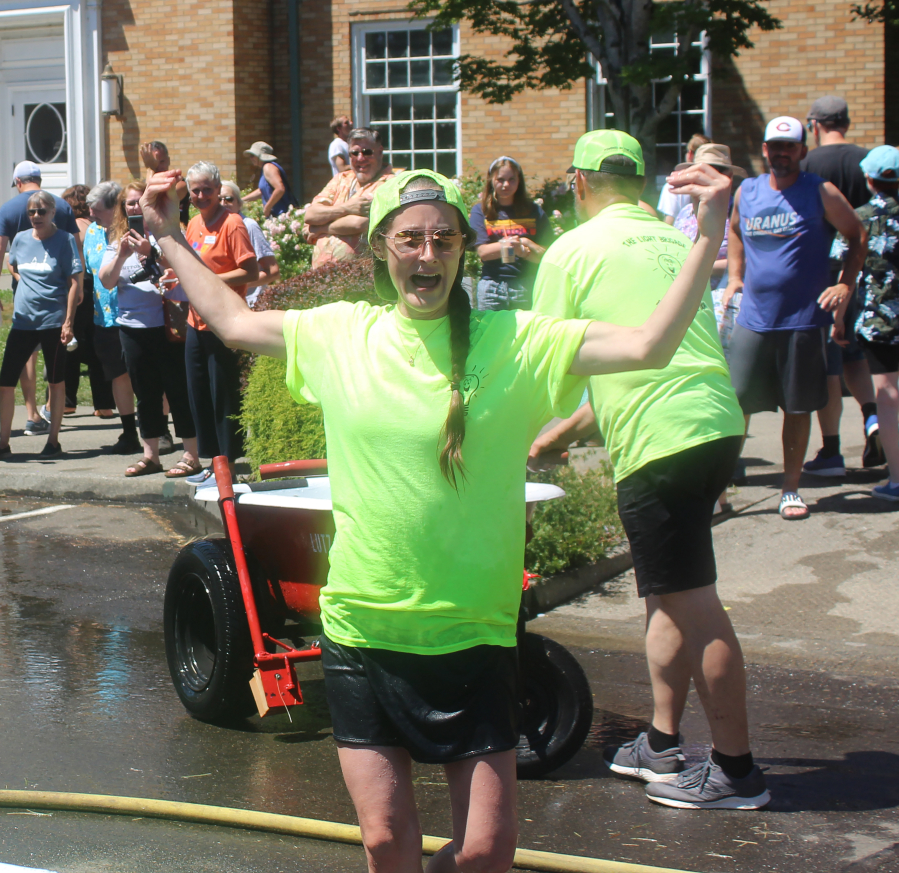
{"points": [[616, 267], [416, 567]]}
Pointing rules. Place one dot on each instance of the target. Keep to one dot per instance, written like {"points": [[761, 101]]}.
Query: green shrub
{"points": [[277, 428], [578, 529]]}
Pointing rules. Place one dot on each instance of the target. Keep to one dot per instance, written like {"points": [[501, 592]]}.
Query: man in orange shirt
{"points": [[337, 219], [221, 241]]}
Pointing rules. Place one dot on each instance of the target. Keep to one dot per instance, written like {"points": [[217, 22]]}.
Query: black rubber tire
{"points": [[207, 638], [557, 706]]}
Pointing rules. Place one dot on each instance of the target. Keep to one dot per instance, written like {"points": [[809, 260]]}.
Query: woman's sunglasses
{"points": [[39, 211], [358, 153], [224, 199], [444, 241]]}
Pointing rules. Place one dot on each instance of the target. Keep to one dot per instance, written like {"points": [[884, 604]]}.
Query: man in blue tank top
{"points": [[781, 231], [274, 189]]}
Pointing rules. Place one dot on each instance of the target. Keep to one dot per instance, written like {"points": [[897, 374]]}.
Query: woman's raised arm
{"points": [[225, 312], [610, 348]]}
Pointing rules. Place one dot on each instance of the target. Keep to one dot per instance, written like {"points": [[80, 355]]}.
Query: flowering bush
{"points": [[285, 234]]}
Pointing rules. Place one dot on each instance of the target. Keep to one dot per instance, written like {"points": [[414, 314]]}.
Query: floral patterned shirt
{"points": [[106, 303], [878, 282]]}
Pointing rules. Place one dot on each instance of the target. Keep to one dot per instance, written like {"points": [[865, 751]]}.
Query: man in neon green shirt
{"points": [[673, 436]]}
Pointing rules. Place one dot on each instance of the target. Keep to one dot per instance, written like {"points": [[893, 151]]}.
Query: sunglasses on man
{"points": [[358, 153], [40, 211]]}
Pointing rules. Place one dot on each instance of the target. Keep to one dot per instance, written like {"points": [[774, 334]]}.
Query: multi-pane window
{"points": [[691, 114], [405, 90]]}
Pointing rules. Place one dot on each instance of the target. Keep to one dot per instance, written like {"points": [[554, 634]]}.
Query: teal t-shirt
{"points": [[616, 267], [416, 566], [45, 268]]}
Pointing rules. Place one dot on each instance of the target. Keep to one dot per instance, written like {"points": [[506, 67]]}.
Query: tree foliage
{"points": [[886, 12], [554, 43]]}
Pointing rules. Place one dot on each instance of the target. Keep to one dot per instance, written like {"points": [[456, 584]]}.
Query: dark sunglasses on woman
{"points": [[224, 199], [40, 211]]}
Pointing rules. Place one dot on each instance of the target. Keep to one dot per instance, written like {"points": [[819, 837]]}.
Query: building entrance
{"points": [[34, 106]]}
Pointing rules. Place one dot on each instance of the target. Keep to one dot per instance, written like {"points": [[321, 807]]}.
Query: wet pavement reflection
{"points": [[86, 705]]}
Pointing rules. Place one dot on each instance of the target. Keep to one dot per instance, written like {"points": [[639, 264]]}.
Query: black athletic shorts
{"points": [[778, 368], [882, 357], [108, 346], [440, 708], [666, 508], [19, 346]]}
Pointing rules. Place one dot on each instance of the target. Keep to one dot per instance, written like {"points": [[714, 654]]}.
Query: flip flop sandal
{"points": [[183, 469], [144, 467], [104, 413], [791, 500]]}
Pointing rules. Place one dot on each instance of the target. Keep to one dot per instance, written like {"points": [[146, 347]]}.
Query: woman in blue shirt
{"points": [[45, 263]]}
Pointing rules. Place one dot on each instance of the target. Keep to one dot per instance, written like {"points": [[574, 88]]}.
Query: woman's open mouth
{"points": [[425, 280]]}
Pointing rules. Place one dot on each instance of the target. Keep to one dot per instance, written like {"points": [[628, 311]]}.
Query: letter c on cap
{"points": [[783, 126]]}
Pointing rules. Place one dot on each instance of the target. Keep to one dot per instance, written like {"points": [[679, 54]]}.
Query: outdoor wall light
{"points": [[111, 92]]}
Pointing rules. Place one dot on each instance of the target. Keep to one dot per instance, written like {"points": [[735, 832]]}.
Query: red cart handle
{"points": [[229, 517], [311, 467]]}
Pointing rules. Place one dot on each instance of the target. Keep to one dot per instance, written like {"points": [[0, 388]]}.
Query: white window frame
{"points": [[597, 109], [361, 94]]}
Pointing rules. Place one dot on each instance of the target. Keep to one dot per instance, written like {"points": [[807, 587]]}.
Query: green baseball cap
{"points": [[595, 146], [390, 196]]}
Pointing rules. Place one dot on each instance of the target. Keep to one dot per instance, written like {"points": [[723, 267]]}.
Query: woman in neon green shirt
{"points": [[430, 410]]}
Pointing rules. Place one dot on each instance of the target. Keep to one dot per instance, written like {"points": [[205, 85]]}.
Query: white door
{"points": [[40, 132], [33, 113]]}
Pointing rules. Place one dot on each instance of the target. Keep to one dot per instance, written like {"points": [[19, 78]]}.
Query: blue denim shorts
{"points": [[495, 296]]}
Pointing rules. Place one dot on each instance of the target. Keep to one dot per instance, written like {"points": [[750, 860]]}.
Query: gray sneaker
{"points": [[35, 428], [707, 786], [637, 760]]}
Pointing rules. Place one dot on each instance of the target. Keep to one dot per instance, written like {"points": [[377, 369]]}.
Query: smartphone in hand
{"points": [[136, 223]]}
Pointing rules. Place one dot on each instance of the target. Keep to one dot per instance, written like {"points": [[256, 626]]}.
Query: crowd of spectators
{"points": [[771, 320]]}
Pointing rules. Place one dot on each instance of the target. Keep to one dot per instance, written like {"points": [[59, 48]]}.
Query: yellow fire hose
{"points": [[526, 859]]}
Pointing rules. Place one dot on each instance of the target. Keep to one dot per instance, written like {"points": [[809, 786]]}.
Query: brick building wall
{"points": [[537, 128], [819, 51], [210, 78], [179, 59]]}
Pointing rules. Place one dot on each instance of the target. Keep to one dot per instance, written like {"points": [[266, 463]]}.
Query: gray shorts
{"points": [[780, 368], [108, 347], [501, 296]]}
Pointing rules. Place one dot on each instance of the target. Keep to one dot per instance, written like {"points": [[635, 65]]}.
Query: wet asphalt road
{"points": [[86, 705]]}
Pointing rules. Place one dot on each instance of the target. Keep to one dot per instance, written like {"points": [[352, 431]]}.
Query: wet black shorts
{"points": [[666, 508], [882, 357], [778, 368], [441, 708]]}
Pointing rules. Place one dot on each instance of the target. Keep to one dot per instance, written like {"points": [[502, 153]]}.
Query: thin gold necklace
{"points": [[421, 341]]}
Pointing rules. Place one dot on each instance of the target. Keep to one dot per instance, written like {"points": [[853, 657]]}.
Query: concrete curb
{"points": [[74, 486], [552, 591]]}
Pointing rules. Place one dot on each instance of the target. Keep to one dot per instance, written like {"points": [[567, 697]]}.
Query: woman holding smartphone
{"points": [[132, 266], [45, 262]]}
